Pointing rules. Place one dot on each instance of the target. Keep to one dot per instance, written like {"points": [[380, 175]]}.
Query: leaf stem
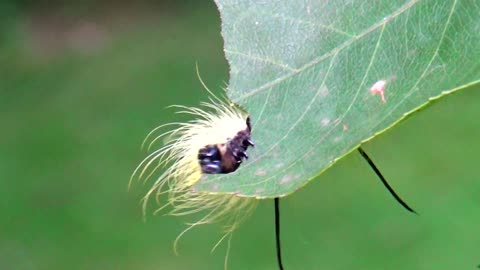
{"points": [[277, 232], [384, 181]]}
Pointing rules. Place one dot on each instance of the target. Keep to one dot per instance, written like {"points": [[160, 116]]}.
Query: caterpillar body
{"points": [[215, 142]]}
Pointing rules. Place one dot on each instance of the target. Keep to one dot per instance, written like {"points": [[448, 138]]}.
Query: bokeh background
{"points": [[83, 82]]}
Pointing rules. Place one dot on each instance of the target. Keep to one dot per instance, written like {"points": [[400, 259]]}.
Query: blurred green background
{"points": [[83, 82]]}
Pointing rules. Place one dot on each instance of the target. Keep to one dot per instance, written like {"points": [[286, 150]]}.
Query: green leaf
{"points": [[304, 70]]}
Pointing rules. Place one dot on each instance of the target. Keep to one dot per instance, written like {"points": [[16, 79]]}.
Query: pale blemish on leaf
{"points": [[286, 179], [278, 165], [260, 172], [379, 88], [259, 190], [323, 92], [325, 122]]}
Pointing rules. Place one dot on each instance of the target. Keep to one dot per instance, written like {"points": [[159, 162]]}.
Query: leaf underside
{"points": [[310, 74]]}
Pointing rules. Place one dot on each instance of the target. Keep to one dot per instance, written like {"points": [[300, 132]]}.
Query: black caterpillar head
{"points": [[226, 157]]}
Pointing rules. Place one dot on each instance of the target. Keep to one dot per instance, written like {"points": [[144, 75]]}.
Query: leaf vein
{"points": [[360, 87], [317, 60], [425, 71]]}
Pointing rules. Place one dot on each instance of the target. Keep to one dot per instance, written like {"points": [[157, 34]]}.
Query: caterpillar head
{"points": [[226, 157]]}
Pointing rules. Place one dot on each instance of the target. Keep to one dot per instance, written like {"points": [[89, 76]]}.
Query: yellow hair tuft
{"points": [[216, 122]]}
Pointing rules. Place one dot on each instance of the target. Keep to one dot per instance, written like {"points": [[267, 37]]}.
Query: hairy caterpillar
{"points": [[215, 142]]}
